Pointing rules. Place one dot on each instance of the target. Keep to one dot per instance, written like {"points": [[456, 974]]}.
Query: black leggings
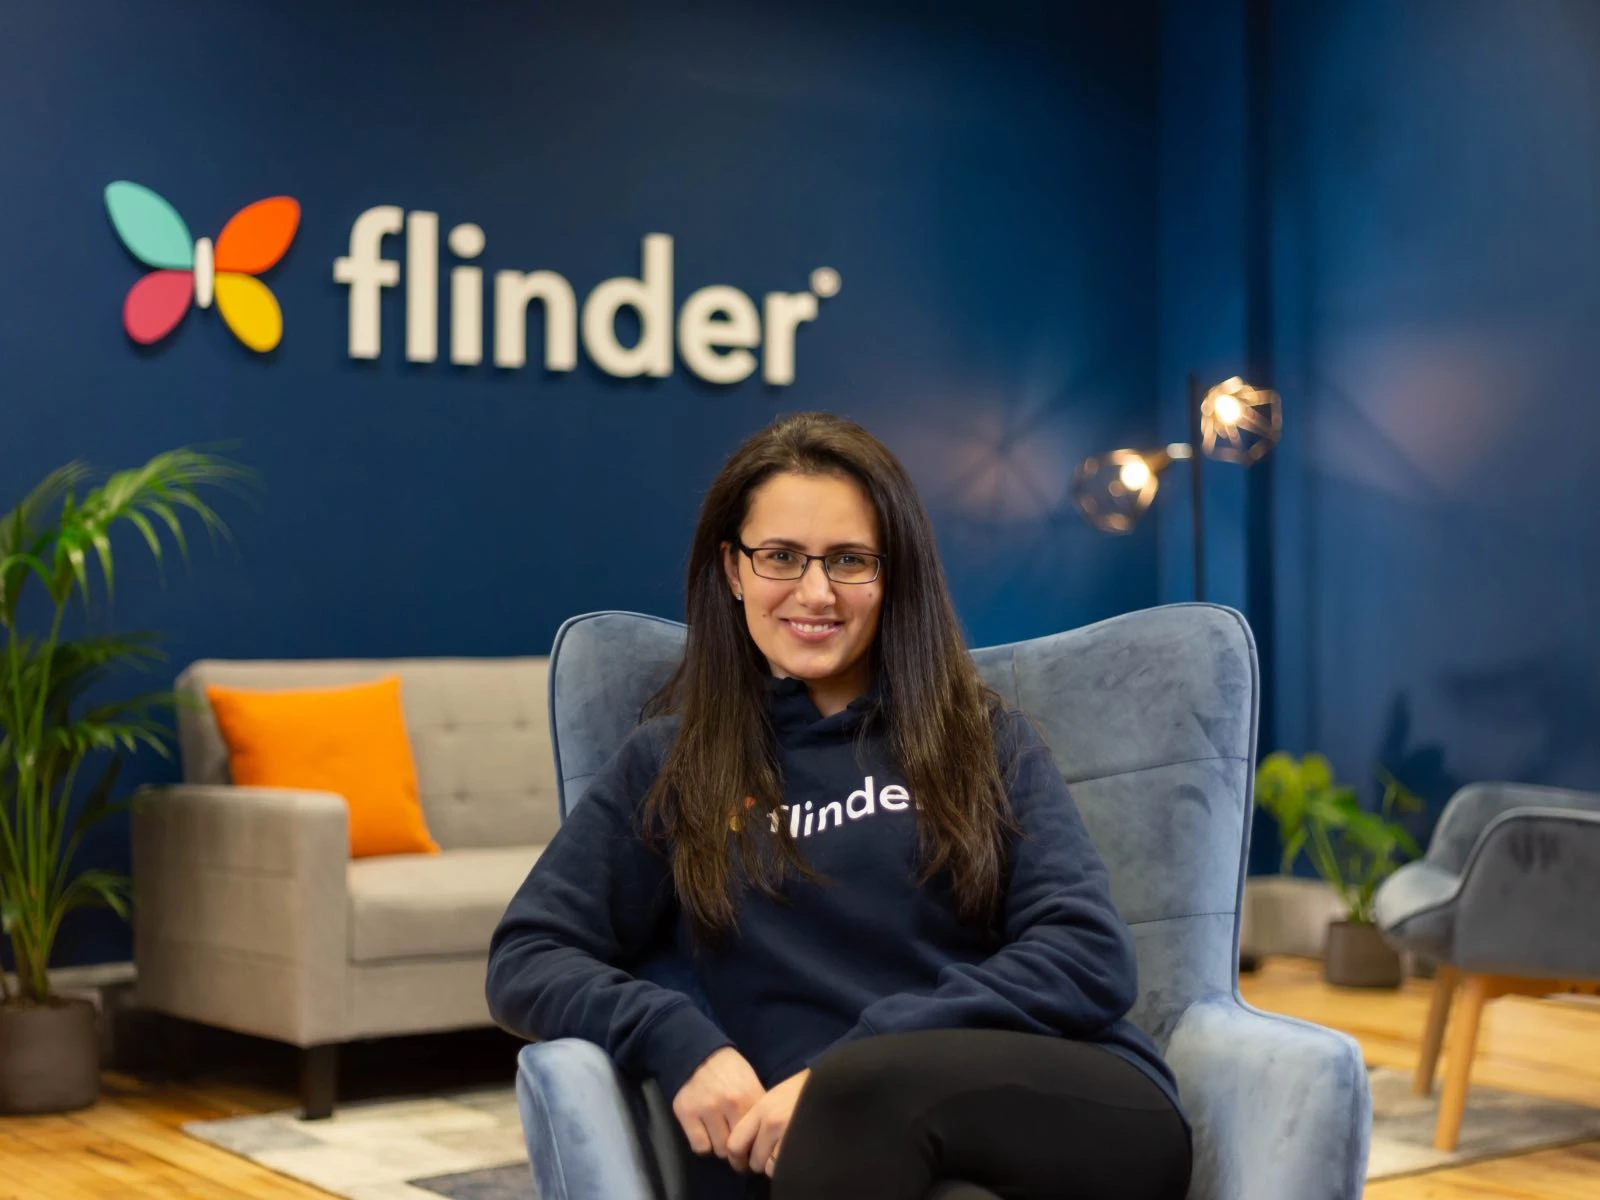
{"points": [[978, 1114]]}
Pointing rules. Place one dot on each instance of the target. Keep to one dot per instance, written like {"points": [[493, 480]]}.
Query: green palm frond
{"points": [[159, 489], [79, 665], [60, 535], [97, 888], [78, 738], [25, 534]]}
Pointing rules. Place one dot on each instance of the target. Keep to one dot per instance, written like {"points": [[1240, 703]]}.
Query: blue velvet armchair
{"points": [[1152, 719], [1504, 903]]}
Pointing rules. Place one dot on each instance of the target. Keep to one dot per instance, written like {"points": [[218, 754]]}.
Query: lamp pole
{"points": [[1197, 502]]}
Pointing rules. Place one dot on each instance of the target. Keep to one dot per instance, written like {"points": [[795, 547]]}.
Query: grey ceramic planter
{"points": [[1357, 956], [49, 1056]]}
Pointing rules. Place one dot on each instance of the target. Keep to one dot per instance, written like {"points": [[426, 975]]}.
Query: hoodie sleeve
{"points": [[1067, 963], [594, 897]]}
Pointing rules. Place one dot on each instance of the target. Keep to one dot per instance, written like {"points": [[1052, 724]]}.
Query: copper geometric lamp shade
{"points": [[1113, 490], [1240, 423]]}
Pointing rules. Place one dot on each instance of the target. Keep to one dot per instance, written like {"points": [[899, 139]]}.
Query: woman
{"points": [[915, 983]]}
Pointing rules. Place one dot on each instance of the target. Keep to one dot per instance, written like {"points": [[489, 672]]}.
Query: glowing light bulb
{"points": [[1228, 410], [1135, 474]]}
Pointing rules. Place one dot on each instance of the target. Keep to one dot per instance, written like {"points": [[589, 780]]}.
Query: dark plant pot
{"points": [[1357, 956], [49, 1056]]}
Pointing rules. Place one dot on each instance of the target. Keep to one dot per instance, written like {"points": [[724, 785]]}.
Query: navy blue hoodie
{"points": [[870, 952]]}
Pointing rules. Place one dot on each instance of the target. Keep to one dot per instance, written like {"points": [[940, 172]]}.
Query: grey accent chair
{"points": [[249, 913], [1505, 903], [1152, 719]]}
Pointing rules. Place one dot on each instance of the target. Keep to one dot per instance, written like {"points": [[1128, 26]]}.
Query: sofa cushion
{"points": [[432, 905], [350, 740]]}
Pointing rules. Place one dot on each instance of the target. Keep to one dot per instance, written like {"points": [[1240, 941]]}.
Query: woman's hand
{"points": [[753, 1145], [720, 1092]]}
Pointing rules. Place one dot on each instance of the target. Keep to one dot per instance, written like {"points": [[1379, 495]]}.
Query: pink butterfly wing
{"points": [[156, 304]]}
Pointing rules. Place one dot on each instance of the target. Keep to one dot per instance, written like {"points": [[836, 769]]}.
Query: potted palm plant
{"points": [[1352, 848], [60, 748]]}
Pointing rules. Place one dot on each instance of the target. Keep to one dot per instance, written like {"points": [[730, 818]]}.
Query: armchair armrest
{"points": [[1528, 895], [241, 907], [582, 1122], [1280, 1107]]}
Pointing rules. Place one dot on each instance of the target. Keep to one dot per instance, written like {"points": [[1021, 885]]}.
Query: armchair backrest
{"points": [[1151, 717], [479, 731]]}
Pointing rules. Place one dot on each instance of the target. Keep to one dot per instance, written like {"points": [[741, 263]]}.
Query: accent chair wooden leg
{"points": [[1444, 989], [1475, 993], [319, 1080]]}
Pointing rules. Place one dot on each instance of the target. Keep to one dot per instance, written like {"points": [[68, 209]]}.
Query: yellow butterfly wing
{"points": [[250, 309]]}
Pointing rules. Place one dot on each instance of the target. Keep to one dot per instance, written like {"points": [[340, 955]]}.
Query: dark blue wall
{"points": [[1436, 288], [982, 177]]}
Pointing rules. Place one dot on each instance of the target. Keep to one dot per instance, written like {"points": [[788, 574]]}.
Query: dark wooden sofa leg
{"points": [[176, 1057], [319, 1080]]}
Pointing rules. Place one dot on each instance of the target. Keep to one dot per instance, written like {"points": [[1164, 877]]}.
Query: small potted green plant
{"points": [[61, 746], [1352, 848]]}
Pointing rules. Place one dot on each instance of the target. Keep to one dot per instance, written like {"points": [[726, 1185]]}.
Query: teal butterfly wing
{"points": [[149, 227]]}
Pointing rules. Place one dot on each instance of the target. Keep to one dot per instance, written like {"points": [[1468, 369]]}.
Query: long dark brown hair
{"points": [[936, 711]]}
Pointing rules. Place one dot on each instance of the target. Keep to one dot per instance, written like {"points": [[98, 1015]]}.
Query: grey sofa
{"points": [[1152, 718], [1505, 903], [250, 914]]}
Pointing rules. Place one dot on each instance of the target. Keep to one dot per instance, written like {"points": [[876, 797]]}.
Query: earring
{"points": [[738, 595]]}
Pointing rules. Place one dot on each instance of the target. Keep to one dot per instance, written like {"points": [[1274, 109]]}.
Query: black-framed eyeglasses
{"points": [[842, 566]]}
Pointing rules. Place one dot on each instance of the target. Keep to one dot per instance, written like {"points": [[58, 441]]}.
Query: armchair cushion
{"points": [[348, 740], [431, 905]]}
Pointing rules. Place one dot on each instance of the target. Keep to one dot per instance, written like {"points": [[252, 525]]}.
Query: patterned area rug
{"points": [[468, 1146], [465, 1146], [1496, 1124]]}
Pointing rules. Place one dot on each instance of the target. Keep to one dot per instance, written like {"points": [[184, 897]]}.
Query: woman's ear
{"points": [[730, 568]]}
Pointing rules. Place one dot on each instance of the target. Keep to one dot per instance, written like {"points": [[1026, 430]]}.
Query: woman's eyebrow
{"points": [[791, 544]]}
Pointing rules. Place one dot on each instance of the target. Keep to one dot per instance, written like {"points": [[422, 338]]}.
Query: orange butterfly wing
{"points": [[258, 235]]}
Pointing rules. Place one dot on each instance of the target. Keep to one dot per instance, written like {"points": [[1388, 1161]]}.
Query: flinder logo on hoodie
{"points": [[863, 802]]}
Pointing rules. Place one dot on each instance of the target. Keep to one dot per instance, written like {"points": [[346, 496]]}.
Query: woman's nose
{"points": [[815, 587]]}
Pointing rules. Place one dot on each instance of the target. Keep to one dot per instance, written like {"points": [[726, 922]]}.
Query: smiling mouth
{"points": [[812, 628]]}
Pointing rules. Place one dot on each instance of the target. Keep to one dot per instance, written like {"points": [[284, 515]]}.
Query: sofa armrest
{"points": [[241, 907], [1280, 1107], [582, 1121], [1528, 896]]}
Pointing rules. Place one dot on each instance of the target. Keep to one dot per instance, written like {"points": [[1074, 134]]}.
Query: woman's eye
{"points": [[848, 560], [779, 557]]}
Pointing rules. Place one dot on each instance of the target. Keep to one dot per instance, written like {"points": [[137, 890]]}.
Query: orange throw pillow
{"points": [[350, 740]]}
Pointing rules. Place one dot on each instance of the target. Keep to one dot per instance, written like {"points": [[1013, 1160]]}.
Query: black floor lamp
{"points": [[1233, 422]]}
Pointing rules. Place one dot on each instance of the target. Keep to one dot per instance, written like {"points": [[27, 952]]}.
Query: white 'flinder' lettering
{"points": [[718, 326], [893, 798]]}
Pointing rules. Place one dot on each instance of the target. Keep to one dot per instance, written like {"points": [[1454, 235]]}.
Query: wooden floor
{"points": [[130, 1145]]}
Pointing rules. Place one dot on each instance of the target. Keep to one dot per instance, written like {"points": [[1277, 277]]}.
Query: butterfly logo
{"points": [[192, 269]]}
